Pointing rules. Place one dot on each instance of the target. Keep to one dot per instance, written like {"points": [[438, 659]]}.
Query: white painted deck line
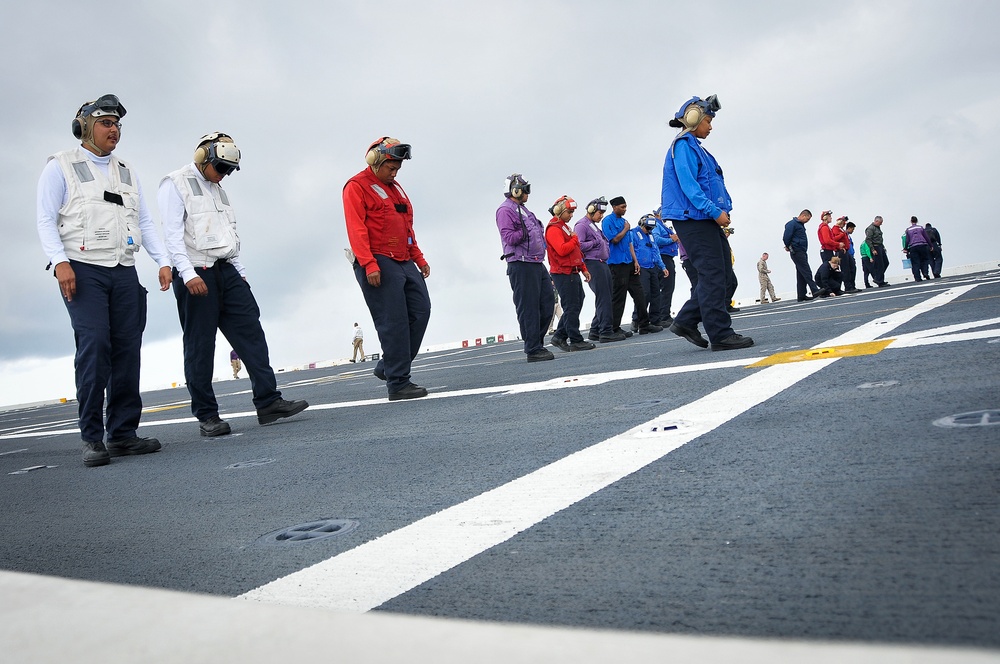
{"points": [[377, 571]]}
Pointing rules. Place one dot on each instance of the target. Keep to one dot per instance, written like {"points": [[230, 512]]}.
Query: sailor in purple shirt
{"points": [[595, 255], [523, 238], [917, 247]]}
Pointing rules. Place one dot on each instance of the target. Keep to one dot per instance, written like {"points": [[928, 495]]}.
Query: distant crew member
{"points": [[566, 265], [917, 246], [797, 246], [92, 219], [880, 257], [389, 266], [849, 264], [624, 270], [359, 343], [937, 259], [763, 275], [652, 271], [828, 246], [596, 249], [210, 284], [523, 239], [828, 278]]}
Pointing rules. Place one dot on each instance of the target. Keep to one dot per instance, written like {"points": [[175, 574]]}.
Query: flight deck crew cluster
{"points": [[93, 218], [619, 260], [921, 246]]}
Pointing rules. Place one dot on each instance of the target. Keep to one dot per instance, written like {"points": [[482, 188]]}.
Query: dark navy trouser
{"points": [[570, 288], [108, 314], [849, 269], [707, 248], [920, 261], [650, 278], [667, 286], [624, 281], [803, 275], [534, 301], [600, 283], [937, 261], [229, 307], [400, 308]]}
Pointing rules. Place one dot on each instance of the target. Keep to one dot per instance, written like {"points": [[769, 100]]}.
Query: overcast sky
{"points": [[864, 108]]}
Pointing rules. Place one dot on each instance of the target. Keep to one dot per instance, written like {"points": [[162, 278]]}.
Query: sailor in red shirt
{"points": [[565, 265], [839, 237], [828, 247], [388, 264]]}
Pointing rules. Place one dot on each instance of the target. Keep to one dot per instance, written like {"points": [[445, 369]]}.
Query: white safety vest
{"points": [[209, 219], [99, 224]]}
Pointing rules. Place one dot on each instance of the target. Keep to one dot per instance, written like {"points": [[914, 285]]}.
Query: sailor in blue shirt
{"points": [[651, 268], [624, 270], [695, 199]]}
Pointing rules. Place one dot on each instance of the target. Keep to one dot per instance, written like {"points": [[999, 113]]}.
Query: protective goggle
{"points": [[711, 104], [106, 105], [395, 152], [517, 182], [224, 157]]}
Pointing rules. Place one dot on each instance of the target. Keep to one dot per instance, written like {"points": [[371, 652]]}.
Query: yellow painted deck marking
{"points": [[848, 350], [160, 409]]}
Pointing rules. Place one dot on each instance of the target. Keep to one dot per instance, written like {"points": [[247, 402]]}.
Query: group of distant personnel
{"points": [[837, 272], [92, 219]]}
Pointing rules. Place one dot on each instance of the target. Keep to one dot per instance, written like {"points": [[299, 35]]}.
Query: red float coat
{"points": [[563, 247], [826, 238], [376, 224], [838, 235]]}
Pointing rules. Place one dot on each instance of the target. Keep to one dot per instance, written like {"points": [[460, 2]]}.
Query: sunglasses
{"points": [[108, 124], [223, 167]]}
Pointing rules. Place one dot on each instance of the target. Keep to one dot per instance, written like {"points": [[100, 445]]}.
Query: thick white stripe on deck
{"points": [[373, 573]]}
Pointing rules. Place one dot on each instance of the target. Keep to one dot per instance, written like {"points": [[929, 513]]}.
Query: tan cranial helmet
{"points": [[219, 150], [386, 149]]}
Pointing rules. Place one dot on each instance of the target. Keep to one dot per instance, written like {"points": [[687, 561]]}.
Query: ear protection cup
{"points": [[693, 116], [372, 155], [204, 149], [562, 204], [517, 185], [78, 127], [596, 204]]}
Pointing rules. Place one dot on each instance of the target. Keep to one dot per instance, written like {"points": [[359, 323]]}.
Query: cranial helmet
{"points": [[83, 123], [220, 151], [386, 149], [562, 204], [694, 110], [515, 186]]}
